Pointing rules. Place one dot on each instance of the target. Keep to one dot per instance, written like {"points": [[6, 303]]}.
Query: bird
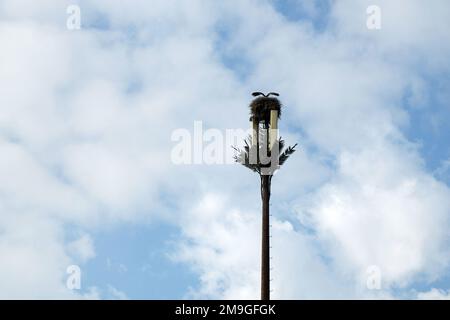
{"points": [[256, 94]]}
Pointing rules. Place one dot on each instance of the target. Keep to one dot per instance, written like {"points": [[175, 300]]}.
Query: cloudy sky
{"points": [[86, 170]]}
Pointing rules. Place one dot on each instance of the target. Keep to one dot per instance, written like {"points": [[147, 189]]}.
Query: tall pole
{"points": [[265, 244], [265, 111]]}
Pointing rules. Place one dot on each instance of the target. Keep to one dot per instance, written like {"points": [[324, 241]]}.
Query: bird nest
{"points": [[260, 108]]}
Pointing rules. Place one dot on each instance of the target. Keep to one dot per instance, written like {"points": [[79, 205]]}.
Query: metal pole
{"points": [[265, 244]]}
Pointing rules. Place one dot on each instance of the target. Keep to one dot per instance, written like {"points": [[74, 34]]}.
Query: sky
{"points": [[88, 179]]}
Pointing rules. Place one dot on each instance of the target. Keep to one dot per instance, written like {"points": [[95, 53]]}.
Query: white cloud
{"points": [[223, 242], [83, 248], [33, 259], [116, 294], [85, 127], [384, 211], [380, 206], [434, 294], [222, 249], [412, 31]]}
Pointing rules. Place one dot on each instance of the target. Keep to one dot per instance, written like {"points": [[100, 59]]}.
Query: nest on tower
{"points": [[261, 106]]}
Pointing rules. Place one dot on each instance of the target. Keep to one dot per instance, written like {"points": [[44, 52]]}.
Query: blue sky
{"points": [[135, 259], [88, 177], [175, 278]]}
